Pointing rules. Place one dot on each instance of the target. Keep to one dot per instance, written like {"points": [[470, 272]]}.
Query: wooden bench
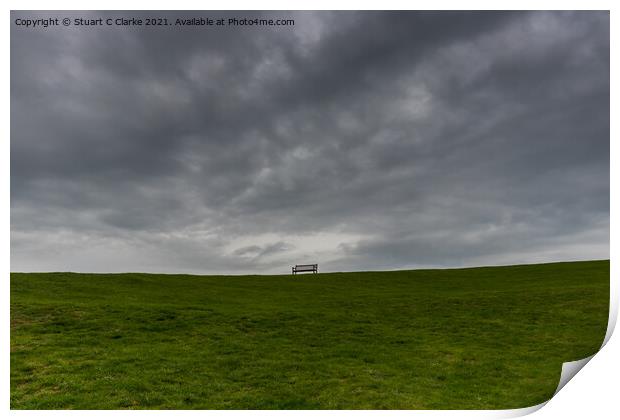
{"points": [[301, 268]]}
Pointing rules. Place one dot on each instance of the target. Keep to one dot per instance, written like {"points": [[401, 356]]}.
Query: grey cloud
{"points": [[353, 139], [256, 252]]}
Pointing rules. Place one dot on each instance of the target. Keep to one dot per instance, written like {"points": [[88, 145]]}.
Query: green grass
{"points": [[480, 338]]}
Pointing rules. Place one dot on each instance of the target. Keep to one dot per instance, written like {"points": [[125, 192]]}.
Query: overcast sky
{"points": [[354, 140]]}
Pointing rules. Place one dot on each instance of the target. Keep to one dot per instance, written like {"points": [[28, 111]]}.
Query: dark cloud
{"points": [[358, 140]]}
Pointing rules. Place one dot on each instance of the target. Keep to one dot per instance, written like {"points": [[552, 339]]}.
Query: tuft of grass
{"points": [[479, 338]]}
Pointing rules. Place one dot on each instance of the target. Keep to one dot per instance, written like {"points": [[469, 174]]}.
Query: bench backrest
{"points": [[306, 266]]}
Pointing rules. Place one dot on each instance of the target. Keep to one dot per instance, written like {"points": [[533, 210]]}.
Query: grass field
{"points": [[426, 339]]}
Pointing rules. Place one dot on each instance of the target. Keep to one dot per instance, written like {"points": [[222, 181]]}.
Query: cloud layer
{"points": [[358, 140]]}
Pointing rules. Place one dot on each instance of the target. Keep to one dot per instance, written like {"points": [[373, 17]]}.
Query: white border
{"points": [[593, 393]]}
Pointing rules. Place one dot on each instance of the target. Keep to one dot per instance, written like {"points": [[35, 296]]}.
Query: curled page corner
{"points": [[569, 370]]}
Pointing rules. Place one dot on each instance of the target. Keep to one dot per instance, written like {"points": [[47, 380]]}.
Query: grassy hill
{"points": [[474, 338]]}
